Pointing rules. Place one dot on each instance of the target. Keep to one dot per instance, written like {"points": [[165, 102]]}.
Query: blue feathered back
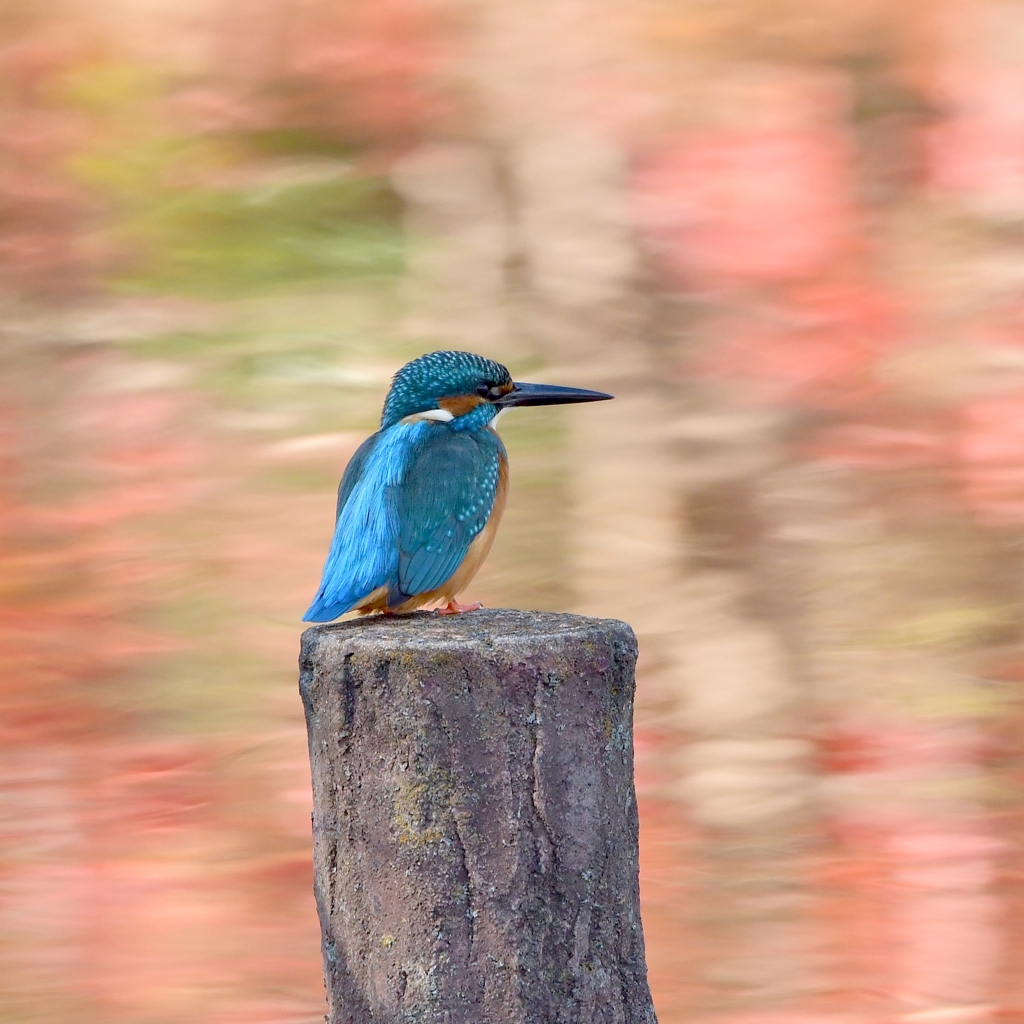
{"points": [[412, 500]]}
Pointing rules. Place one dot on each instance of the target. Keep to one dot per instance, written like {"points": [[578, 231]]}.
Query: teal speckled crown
{"points": [[418, 385]]}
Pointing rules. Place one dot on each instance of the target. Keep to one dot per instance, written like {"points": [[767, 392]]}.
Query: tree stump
{"points": [[475, 822]]}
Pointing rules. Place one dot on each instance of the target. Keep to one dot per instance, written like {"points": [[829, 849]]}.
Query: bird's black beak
{"points": [[548, 394]]}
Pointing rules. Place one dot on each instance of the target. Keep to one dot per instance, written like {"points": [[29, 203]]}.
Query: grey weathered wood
{"points": [[475, 822]]}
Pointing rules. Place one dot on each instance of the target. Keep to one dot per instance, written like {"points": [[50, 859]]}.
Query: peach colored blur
{"points": [[789, 237]]}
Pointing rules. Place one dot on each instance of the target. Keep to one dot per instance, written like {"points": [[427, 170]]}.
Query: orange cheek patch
{"points": [[459, 405]]}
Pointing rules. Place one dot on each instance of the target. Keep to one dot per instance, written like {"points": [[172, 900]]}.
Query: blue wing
{"points": [[363, 551], [411, 501], [353, 472], [444, 501]]}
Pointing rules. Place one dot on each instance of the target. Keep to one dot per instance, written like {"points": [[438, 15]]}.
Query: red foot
{"points": [[454, 608]]}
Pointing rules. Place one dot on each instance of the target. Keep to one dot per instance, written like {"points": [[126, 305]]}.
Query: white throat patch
{"points": [[440, 415]]}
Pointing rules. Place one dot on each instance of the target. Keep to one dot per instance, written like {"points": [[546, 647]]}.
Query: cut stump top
{"points": [[507, 628]]}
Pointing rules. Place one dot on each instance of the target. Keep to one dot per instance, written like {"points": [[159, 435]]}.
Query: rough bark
{"points": [[475, 822]]}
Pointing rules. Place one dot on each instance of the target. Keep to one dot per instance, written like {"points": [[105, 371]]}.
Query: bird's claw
{"points": [[454, 608]]}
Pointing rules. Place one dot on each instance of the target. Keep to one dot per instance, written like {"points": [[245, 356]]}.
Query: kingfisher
{"points": [[420, 501]]}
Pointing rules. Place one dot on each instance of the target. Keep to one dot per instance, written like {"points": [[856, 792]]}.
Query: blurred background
{"points": [[788, 234]]}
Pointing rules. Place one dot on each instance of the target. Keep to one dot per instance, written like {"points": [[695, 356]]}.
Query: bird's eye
{"points": [[489, 391]]}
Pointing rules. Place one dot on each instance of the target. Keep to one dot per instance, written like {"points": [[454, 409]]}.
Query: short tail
{"points": [[325, 609]]}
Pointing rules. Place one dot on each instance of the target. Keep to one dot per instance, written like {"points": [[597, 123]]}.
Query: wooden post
{"points": [[474, 822]]}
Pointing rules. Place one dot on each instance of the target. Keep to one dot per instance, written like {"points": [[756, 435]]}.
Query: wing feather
{"points": [[363, 554], [445, 500]]}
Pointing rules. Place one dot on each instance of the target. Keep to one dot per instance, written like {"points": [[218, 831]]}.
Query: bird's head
{"points": [[447, 386]]}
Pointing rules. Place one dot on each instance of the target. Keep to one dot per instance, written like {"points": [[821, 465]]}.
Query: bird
{"points": [[420, 500]]}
